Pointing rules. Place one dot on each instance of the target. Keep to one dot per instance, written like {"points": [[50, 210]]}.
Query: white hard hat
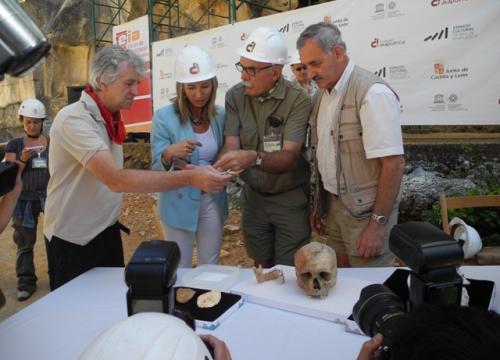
{"points": [[294, 58], [265, 45], [461, 231], [150, 336], [32, 108], [193, 64]]}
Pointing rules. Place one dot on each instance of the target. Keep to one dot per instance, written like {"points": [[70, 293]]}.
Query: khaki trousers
{"points": [[275, 226], [343, 230]]}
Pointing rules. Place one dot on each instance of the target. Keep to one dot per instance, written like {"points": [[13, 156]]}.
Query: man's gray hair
{"points": [[108, 63], [326, 35]]}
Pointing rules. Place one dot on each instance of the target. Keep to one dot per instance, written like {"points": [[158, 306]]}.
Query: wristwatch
{"points": [[258, 159], [380, 219]]}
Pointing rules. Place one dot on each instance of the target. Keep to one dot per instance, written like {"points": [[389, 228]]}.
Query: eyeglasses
{"points": [[299, 68], [250, 70]]}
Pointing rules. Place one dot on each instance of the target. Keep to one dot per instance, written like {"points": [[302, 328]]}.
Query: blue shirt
{"points": [[180, 207]]}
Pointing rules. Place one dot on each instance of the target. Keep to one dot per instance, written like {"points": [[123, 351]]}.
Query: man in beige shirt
{"points": [[87, 177], [356, 131]]}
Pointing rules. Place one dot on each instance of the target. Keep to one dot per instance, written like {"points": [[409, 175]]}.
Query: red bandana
{"points": [[113, 122]]}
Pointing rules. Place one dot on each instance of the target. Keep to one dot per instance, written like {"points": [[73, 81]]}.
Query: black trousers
{"points": [[25, 239], [66, 260]]}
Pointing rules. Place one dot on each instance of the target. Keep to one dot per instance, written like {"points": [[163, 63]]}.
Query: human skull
{"points": [[316, 269]]}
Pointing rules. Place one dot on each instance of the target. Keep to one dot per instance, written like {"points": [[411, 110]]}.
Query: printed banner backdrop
{"points": [[134, 35], [441, 56]]}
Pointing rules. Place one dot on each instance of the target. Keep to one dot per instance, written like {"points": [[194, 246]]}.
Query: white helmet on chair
{"points": [[149, 336], [461, 231], [265, 45], [194, 64], [32, 108]]}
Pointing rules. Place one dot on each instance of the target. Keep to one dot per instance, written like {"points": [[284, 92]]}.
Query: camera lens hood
{"points": [[376, 305]]}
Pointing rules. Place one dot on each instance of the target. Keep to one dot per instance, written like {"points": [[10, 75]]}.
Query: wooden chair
{"points": [[460, 202], [489, 255]]}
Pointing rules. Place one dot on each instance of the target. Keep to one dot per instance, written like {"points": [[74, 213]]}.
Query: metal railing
{"points": [[168, 18]]}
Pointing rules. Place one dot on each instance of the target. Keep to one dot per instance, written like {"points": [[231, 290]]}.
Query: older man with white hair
{"points": [[87, 177]]}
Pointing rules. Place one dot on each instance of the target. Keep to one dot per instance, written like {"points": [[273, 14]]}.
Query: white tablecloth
{"points": [[61, 324]]}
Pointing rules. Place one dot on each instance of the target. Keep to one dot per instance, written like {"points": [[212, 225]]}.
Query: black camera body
{"points": [[433, 257], [150, 276], [8, 175]]}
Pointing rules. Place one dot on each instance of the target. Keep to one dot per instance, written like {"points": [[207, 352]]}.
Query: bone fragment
{"points": [[270, 275]]}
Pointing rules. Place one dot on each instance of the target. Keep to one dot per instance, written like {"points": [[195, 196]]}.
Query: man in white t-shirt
{"points": [[356, 132], [84, 194]]}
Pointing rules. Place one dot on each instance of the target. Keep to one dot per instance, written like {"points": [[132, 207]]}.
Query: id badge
{"points": [[272, 143], [39, 163]]}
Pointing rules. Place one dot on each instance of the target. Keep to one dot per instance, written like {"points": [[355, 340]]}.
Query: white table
{"points": [[61, 324]]}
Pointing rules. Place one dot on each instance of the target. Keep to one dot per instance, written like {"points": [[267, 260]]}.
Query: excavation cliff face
{"points": [[69, 27]]}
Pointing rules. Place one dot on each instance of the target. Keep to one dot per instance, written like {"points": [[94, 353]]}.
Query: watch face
{"points": [[381, 220]]}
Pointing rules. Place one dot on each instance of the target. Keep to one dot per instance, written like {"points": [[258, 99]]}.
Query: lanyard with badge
{"points": [[272, 141], [38, 162]]}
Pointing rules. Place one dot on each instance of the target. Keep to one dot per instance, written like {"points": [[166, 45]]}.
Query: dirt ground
{"points": [[138, 214]]}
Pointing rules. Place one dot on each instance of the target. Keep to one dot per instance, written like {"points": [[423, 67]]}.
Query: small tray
{"points": [[210, 318], [211, 277]]}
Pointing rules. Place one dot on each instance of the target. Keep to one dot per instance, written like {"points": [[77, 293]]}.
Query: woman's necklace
{"points": [[203, 118], [197, 122]]}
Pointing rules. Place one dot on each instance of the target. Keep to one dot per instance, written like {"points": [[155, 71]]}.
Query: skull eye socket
{"points": [[326, 276], [305, 276]]}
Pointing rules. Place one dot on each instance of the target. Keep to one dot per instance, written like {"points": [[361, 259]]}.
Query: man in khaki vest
{"points": [[356, 133], [265, 133]]}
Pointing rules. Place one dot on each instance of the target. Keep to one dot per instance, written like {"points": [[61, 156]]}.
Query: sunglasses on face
{"points": [[299, 68], [252, 71]]}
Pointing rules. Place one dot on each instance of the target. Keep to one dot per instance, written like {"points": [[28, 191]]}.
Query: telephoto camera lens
{"points": [[378, 310]]}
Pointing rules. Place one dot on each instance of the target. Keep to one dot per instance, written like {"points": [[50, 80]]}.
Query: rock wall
{"points": [[451, 169], [431, 169], [66, 23]]}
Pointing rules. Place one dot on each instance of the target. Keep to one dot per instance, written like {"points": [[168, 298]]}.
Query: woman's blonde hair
{"points": [[182, 102]]}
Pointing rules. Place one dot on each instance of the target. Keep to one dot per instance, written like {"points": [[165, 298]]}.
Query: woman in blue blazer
{"points": [[191, 131]]}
